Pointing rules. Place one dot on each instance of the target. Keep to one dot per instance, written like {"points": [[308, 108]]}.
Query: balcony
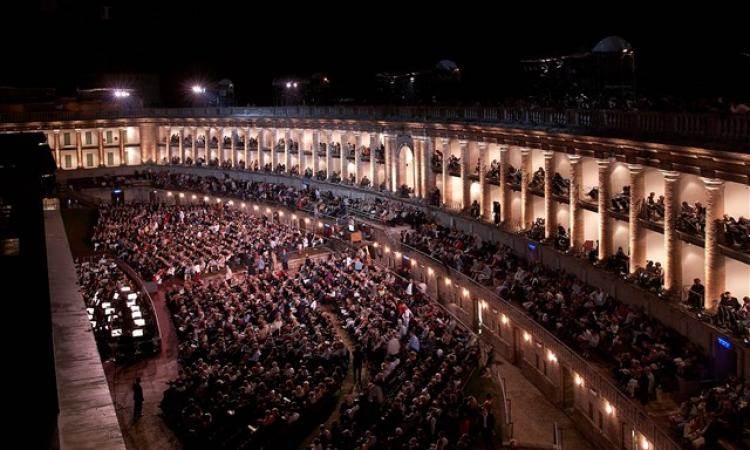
{"points": [[677, 128]]}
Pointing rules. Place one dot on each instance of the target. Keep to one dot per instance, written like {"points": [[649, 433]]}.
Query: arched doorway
{"points": [[406, 168]]}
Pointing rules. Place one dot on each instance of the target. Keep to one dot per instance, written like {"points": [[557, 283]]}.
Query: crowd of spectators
{"points": [[163, 242], [645, 354], [721, 413]]}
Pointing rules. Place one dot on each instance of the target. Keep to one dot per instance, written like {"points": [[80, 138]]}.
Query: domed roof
{"points": [[446, 65], [612, 44]]}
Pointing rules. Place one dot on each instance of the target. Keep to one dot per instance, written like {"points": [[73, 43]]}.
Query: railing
{"points": [[624, 405], [711, 127]]}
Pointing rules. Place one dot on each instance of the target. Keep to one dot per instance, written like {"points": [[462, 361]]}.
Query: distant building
{"points": [[607, 70], [438, 84]]}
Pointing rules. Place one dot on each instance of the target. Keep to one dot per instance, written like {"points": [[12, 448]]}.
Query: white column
{"points": [[467, 149], [715, 272], [79, 150], [232, 147], [605, 230], [288, 150], [389, 143], [123, 137], [672, 244], [358, 157], [315, 149], [636, 240], [100, 143], [485, 197], [246, 149], [57, 148], [194, 144], [301, 157], [181, 144], [329, 157], [576, 213], [274, 156], [549, 205], [503, 182], [343, 159], [526, 199]]}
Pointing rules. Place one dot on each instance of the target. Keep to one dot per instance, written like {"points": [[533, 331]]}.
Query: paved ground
{"points": [[533, 414]]}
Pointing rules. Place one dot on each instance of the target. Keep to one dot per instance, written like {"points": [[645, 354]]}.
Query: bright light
{"points": [[295, 84], [375, 244], [430, 272], [120, 93], [526, 336], [504, 319], [551, 357], [398, 254], [387, 249], [243, 205], [294, 216], [230, 202], [169, 194], [320, 224], [645, 444], [578, 380], [414, 263], [466, 292], [194, 197], [205, 199], [218, 200], [307, 220], [608, 408], [447, 281], [288, 84], [198, 89], [255, 207], [281, 213], [268, 210], [182, 195]]}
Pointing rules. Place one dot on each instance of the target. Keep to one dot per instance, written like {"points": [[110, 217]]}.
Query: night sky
{"points": [[63, 44]]}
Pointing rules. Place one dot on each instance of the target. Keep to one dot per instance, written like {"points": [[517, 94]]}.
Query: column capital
{"points": [[635, 169], [549, 154], [503, 148], [670, 176], [525, 151], [56, 131], [575, 159], [712, 184], [603, 163]]}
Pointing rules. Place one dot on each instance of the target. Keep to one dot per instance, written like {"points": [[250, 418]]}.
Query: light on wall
{"points": [[578, 380], [230, 202], [169, 194], [608, 408], [243, 205], [504, 319], [387, 249], [414, 263], [205, 199], [430, 272], [526, 336], [466, 292], [194, 197], [645, 444], [447, 281], [551, 357], [255, 207]]}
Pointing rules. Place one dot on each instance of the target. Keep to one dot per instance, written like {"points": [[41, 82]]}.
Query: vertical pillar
{"points": [[467, 149], [288, 150], [193, 143], [549, 205], [576, 213], [181, 144], [526, 200], [503, 181], [389, 143], [220, 147], [232, 146], [207, 144], [636, 240], [315, 149], [100, 142], [418, 168], [343, 157], [447, 185], [274, 156], [301, 156], [167, 146], [374, 143], [426, 167], [485, 197], [605, 230], [329, 156], [358, 157], [123, 136], [261, 155], [79, 150], [56, 143], [672, 245], [714, 261], [246, 149]]}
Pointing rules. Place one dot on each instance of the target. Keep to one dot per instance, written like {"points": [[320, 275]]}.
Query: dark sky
{"points": [[62, 43]]}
